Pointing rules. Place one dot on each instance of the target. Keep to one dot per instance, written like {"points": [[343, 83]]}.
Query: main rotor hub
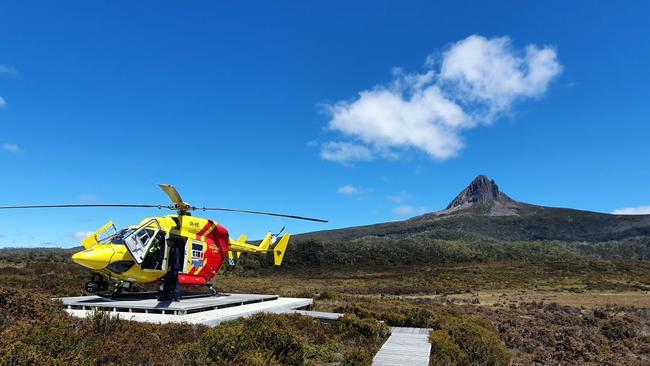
{"points": [[183, 208]]}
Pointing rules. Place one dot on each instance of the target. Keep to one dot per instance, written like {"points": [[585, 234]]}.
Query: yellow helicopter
{"points": [[139, 254]]}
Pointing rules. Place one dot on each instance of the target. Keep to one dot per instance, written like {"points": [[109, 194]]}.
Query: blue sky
{"points": [[356, 112]]}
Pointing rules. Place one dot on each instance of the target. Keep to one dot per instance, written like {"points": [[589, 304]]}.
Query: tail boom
{"points": [[239, 246]]}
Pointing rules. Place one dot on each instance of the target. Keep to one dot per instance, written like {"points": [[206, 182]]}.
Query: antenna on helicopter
{"points": [[274, 237]]}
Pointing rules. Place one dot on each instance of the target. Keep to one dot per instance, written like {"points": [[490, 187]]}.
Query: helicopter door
{"points": [[139, 241]]}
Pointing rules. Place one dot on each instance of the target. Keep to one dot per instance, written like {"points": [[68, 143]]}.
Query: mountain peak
{"points": [[481, 190]]}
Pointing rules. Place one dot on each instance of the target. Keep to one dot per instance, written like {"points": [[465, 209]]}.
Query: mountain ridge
{"points": [[481, 211]]}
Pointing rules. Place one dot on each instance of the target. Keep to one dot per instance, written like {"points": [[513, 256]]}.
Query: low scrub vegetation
{"points": [[506, 317], [541, 333], [35, 331], [534, 333], [286, 340], [456, 337], [424, 249]]}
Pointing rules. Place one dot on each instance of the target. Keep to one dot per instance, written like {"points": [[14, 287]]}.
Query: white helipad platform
{"points": [[210, 310]]}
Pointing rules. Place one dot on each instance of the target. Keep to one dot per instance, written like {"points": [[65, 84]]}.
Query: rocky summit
{"points": [[481, 190]]}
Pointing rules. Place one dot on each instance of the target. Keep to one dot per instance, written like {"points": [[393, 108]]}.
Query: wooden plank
{"points": [[405, 346]]}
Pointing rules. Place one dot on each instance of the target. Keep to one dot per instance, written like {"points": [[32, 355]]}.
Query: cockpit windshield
{"points": [[117, 238]]}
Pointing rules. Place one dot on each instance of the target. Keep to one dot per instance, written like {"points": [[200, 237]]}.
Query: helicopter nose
{"points": [[95, 258]]}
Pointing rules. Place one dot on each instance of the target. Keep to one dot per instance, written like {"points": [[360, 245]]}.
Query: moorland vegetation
{"points": [[485, 312]]}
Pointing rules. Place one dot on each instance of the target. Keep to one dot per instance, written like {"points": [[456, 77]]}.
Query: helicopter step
{"points": [[197, 310]]}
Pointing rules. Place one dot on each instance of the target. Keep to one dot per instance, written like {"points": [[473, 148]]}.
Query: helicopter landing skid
{"points": [[214, 290], [148, 295]]}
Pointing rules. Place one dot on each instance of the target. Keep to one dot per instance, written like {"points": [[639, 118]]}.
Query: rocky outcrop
{"points": [[481, 190]]}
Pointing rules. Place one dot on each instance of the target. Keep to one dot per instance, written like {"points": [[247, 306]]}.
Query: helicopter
{"points": [[138, 254]]}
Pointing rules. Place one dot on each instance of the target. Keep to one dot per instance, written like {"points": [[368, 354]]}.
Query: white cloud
{"points": [[79, 235], [7, 70], [11, 148], [490, 72], [349, 189], [641, 210], [408, 210], [399, 198], [477, 80], [344, 152]]}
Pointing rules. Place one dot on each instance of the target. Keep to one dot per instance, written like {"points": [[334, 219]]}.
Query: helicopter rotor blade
{"points": [[172, 193], [259, 213], [84, 206], [179, 205]]}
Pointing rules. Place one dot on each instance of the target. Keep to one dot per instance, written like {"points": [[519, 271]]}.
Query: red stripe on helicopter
{"points": [[204, 230], [198, 237]]}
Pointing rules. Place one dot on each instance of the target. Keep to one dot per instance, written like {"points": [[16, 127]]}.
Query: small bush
{"points": [[356, 357], [102, 323], [444, 351], [467, 341], [481, 344], [19, 353], [351, 327], [618, 329], [24, 306], [421, 317], [326, 295]]}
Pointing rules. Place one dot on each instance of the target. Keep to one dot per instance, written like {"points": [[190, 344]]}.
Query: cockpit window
{"points": [[106, 232], [139, 241], [117, 238]]}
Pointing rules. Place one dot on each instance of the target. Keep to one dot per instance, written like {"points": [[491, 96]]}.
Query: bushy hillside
{"points": [[480, 224], [526, 223]]}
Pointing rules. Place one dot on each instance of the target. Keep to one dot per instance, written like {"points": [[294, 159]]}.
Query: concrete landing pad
{"points": [[210, 310]]}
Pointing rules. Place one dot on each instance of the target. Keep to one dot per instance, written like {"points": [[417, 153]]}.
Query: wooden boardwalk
{"points": [[405, 346]]}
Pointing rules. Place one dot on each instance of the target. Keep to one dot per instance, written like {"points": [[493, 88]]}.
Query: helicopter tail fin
{"points": [[280, 249], [266, 242]]}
